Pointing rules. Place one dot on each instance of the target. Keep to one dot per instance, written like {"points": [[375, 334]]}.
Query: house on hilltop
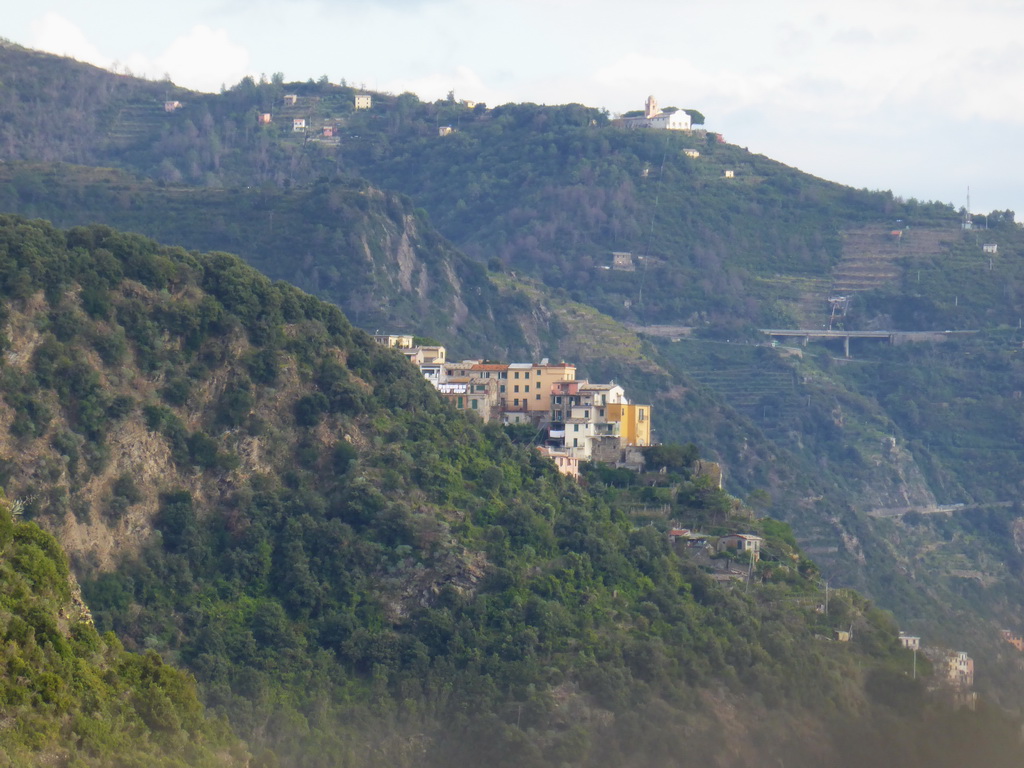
{"points": [[670, 120]]}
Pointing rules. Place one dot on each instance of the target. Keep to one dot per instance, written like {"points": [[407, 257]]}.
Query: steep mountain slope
{"points": [[358, 575], [71, 697], [363, 249], [543, 195]]}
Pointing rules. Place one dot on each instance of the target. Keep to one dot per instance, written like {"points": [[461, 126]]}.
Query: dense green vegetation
{"points": [[69, 696], [357, 574], [157, 387]]}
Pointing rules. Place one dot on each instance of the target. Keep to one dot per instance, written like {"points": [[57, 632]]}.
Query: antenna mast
{"points": [[967, 211]]}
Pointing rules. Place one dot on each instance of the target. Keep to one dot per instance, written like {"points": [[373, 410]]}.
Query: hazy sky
{"points": [[921, 97]]}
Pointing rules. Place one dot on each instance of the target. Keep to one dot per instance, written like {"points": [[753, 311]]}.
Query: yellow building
{"points": [[545, 374], [395, 340], [634, 422]]}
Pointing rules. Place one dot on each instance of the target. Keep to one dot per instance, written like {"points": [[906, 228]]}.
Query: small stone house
{"points": [[910, 642], [742, 543], [363, 101], [623, 261]]}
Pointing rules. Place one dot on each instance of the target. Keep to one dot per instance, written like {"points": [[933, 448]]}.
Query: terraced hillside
{"points": [[871, 255], [872, 259]]}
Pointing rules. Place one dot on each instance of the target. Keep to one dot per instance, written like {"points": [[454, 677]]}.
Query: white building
{"points": [[653, 117], [911, 642]]}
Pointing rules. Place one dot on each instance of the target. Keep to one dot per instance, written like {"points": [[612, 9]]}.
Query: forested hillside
{"points": [[538, 198], [69, 696], [357, 574]]}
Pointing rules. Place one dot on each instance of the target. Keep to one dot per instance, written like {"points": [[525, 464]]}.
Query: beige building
{"points": [[743, 543], [959, 669], [478, 396], [398, 341], [910, 642], [363, 101], [566, 464]]}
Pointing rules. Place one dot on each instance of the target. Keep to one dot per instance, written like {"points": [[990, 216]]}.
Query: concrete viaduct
{"points": [[893, 337]]}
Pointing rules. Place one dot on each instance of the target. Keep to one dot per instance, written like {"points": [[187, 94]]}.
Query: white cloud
{"points": [[466, 83], [204, 59], [55, 34]]}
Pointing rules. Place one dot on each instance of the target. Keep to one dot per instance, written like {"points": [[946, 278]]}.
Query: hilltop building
{"points": [[363, 101], [677, 120]]}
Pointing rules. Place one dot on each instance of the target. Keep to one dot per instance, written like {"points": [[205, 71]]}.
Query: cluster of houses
{"points": [[581, 420], [954, 670], [303, 123]]}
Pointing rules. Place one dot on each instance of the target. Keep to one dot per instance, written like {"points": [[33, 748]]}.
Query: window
{"points": [[460, 403], [516, 401], [575, 427], [472, 404], [538, 397], [502, 390], [558, 400], [586, 414], [527, 388], [527, 374], [516, 388], [517, 374]]}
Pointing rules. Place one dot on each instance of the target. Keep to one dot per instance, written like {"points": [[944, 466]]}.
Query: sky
{"points": [[923, 98]]}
